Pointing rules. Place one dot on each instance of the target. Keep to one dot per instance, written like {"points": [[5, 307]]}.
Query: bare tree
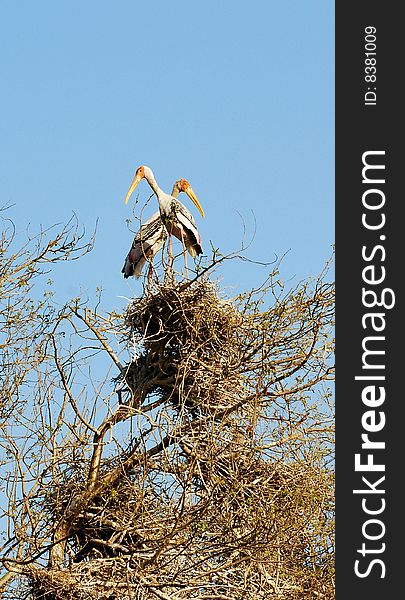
{"points": [[180, 450]]}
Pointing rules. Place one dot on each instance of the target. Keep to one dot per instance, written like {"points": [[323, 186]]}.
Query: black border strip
{"points": [[369, 251]]}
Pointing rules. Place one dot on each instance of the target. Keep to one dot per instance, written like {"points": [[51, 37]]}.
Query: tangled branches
{"points": [[223, 489], [190, 346]]}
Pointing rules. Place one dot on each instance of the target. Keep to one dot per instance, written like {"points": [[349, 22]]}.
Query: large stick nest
{"points": [[192, 355]]}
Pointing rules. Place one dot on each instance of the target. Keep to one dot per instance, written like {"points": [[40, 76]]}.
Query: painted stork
{"points": [[151, 237], [177, 220]]}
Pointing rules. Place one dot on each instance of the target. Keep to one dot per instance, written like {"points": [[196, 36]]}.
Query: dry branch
{"points": [[223, 489]]}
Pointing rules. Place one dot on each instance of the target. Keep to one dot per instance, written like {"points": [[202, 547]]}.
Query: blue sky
{"points": [[236, 97]]}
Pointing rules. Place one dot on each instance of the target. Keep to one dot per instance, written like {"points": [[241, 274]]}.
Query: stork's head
{"points": [[141, 173], [183, 186]]}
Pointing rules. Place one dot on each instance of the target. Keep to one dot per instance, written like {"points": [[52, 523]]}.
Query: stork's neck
{"points": [[150, 178], [175, 191]]}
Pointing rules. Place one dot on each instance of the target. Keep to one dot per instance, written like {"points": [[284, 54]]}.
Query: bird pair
{"points": [[173, 218]]}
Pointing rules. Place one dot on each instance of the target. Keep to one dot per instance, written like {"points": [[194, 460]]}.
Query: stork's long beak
{"points": [[190, 193], [134, 183]]}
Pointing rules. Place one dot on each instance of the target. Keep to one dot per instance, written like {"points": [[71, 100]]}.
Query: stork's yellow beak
{"points": [[190, 193], [135, 181]]}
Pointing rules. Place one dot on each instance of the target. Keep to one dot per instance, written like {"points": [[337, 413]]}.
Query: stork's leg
{"points": [[170, 250], [150, 273], [169, 270], [184, 252], [185, 261]]}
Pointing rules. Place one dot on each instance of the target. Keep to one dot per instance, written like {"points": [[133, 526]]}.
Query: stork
{"points": [[175, 217], [151, 237]]}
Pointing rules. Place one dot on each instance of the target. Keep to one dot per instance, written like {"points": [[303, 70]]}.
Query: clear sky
{"points": [[237, 97]]}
